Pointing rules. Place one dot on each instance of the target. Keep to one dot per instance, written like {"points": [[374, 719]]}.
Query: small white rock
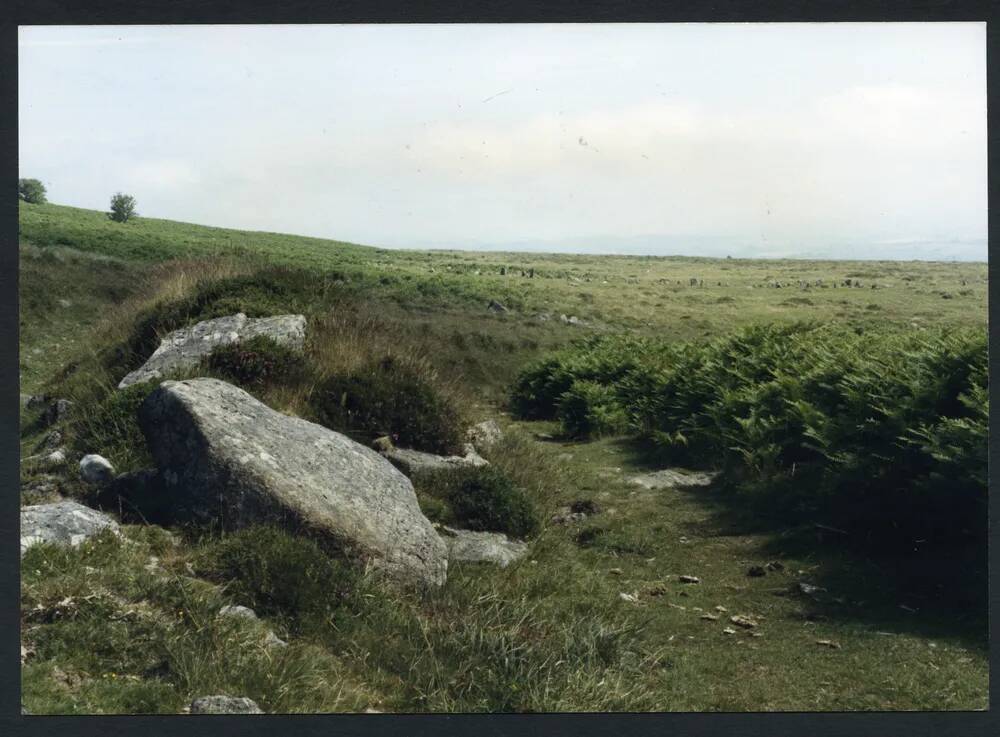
{"points": [[238, 611], [96, 470]]}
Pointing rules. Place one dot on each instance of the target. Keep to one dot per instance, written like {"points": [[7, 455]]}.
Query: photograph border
{"points": [[119, 12]]}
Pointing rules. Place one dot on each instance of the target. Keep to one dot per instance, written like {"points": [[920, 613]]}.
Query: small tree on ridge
{"points": [[31, 190], [122, 207]]}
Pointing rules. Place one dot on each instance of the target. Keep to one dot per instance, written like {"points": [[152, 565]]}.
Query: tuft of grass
{"points": [[389, 397], [278, 575]]}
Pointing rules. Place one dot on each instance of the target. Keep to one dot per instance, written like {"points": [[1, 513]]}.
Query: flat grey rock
{"points": [[227, 457], [482, 547], [62, 523], [670, 478], [184, 348], [237, 611], [224, 705], [412, 462]]}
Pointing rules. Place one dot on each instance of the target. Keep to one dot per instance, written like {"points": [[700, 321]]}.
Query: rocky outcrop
{"points": [[224, 705], [413, 462], [670, 478], [62, 523], [482, 547], [184, 348], [225, 456]]}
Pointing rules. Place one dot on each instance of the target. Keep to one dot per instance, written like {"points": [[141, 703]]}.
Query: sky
{"points": [[752, 140]]}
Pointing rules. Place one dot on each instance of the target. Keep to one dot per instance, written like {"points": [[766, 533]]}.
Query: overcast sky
{"points": [[842, 140]]}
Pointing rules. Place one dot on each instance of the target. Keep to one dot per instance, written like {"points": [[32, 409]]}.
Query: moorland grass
{"points": [[551, 632]]}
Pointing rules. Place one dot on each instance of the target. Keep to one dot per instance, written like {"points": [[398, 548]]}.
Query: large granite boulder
{"points": [[184, 348], [225, 456], [62, 523]]}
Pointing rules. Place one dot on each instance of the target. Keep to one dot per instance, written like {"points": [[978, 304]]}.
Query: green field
{"points": [[904, 627]]}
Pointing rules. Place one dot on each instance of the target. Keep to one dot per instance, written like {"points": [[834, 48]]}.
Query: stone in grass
{"points": [[224, 705], [829, 643], [742, 620], [61, 523], [238, 612], [415, 462], [670, 478], [689, 579], [469, 546], [485, 434], [96, 470], [756, 571]]}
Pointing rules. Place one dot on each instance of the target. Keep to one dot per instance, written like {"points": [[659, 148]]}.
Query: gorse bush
{"points": [[389, 397], [260, 361], [888, 430]]}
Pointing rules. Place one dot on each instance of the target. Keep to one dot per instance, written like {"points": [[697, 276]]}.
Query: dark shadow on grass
{"points": [[897, 587]]}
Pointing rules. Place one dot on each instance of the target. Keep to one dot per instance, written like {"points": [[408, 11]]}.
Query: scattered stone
{"points": [[829, 643], [495, 306], [809, 589], [238, 612], [615, 571], [584, 506], [469, 546], [485, 434], [630, 598], [756, 634], [224, 705], [565, 516], [413, 462], [57, 411], [775, 566], [184, 348], [96, 470], [272, 640], [689, 579], [50, 442], [657, 590], [729, 631], [710, 617], [756, 571], [742, 620], [226, 457], [62, 523], [65, 303], [721, 609], [671, 478]]}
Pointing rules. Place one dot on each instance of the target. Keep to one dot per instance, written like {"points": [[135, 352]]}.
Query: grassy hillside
{"points": [[595, 618]]}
